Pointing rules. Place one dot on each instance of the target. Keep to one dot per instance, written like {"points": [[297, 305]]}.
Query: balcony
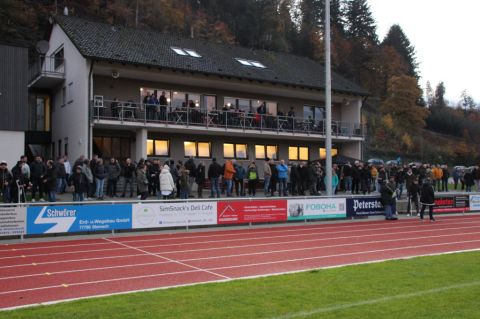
{"points": [[162, 116], [47, 72]]}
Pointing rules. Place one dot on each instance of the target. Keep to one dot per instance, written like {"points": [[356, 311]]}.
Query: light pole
{"points": [[328, 100]]}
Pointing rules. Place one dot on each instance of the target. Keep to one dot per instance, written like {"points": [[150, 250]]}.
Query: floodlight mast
{"points": [[328, 101]]}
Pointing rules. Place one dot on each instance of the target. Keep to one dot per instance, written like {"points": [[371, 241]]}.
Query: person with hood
{"points": [[282, 170], [142, 181], [427, 199], [228, 174], [214, 172], [100, 174], [37, 171], [388, 195], [252, 177], [50, 181], [79, 182], [5, 181], [113, 173], [200, 179], [167, 184], [239, 178]]}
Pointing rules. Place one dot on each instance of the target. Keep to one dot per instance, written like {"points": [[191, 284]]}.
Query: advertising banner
{"points": [[364, 206], [321, 208], [451, 204], [12, 221], [78, 218], [255, 211], [174, 214], [475, 202]]}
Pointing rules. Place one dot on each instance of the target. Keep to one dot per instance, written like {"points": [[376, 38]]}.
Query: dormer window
{"points": [[251, 63], [186, 52]]}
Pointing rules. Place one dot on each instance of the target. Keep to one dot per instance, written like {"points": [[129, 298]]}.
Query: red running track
{"points": [[44, 272]]}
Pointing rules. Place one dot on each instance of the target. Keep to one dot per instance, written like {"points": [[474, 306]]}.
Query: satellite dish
{"points": [[42, 47]]}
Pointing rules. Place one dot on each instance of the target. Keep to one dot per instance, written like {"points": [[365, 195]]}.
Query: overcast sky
{"points": [[446, 37]]}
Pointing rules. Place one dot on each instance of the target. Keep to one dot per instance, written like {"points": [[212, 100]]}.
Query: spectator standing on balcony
{"points": [[427, 199], [5, 181], [200, 179], [239, 179], [445, 177], [128, 176], [167, 184], [214, 172], [113, 173], [282, 170], [228, 174], [114, 106], [80, 184], [50, 181], [252, 176], [192, 169], [61, 176], [267, 175], [37, 170], [91, 181], [142, 181], [347, 177], [100, 174], [291, 118], [163, 106], [150, 106]]}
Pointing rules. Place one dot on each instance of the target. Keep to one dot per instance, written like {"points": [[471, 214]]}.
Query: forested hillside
{"points": [[400, 117]]}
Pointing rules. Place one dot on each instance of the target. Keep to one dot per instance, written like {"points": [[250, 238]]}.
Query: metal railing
{"points": [[47, 66], [223, 119]]}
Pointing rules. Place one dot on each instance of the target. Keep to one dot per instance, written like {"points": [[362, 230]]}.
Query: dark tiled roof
{"points": [[134, 46]]}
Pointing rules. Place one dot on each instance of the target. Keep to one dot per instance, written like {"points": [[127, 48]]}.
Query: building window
{"points": [[209, 103], [197, 149], [108, 147], [248, 105], [323, 152], [296, 153], [59, 58], [69, 93], [264, 151], [238, 151], [64, 96], [186, 52], [250, 63], [316, 113], [158, 148]]}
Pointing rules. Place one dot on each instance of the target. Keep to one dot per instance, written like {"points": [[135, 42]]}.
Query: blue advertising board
{"points": [[364, 206], [78, 218]]}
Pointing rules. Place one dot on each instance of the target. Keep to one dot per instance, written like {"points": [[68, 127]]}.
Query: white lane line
{"points": [[249, 265], [444, 220], [239, 246], [231, 256], [416, 226], [368, 302], [168, 259]]}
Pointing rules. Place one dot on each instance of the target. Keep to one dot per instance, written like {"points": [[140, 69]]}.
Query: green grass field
{"points": [[445, 286]]}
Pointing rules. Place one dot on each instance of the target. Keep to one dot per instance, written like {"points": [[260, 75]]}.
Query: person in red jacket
{"points": [[228, 174]]}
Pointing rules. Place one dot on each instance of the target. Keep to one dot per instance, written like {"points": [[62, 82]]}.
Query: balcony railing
{"points": [[231, 119], [47, 66]]}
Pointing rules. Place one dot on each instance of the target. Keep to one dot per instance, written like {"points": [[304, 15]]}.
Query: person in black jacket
{"points": [[294, 180], [79, 182], [273, 178], [192, 173], [445, 177], [5, 181], [388, 194], [200, 179], [413, 190], [128, 176], [356, 178], [303, 170], [37, 171], [19, 183], [214, 173], [312, 179], [100, 174], [50, 181], [427, 198]]}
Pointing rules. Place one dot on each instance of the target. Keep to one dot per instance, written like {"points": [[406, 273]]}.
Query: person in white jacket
{"points": [[167, 186]]}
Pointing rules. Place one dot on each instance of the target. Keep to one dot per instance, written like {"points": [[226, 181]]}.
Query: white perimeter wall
{"points": [[12, 146], [70, 121]]}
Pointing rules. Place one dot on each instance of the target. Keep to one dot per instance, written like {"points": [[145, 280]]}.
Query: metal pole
{"points": [[328, 99]]}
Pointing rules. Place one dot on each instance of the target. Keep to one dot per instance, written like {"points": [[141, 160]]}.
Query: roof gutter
{"points": [[89, 142]]}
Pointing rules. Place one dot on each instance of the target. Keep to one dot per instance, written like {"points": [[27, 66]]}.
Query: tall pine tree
{"points": [[397, 39]]}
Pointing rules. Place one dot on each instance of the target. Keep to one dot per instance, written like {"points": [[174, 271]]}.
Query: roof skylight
{"points": [[185, 52], [251, 63]]}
